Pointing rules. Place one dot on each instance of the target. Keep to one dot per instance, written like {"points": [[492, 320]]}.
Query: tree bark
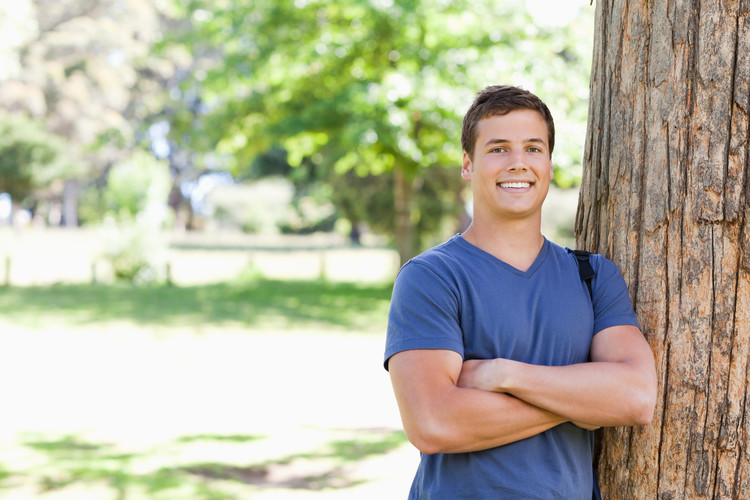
{"points": [[665, 196]]}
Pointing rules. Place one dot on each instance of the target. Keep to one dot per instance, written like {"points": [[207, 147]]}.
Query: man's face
{"points": [[511, 168]]}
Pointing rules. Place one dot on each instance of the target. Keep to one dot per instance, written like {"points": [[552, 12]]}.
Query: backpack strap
{"points": [[585, 270], [587, 273]]}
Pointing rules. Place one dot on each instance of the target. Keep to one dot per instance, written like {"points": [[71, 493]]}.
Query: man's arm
{"points": [[440, 417], [618, 386]]}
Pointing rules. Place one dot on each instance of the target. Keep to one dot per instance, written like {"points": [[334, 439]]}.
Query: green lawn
{"points": [[108, 471], [176, 393], [249, 303]]}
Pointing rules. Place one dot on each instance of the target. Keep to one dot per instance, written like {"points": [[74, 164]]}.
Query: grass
{"points": [[248, 303], [204, 464], [157, 473]]}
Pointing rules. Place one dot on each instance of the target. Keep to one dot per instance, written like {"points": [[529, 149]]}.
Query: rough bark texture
{"points": [[665, 196]]}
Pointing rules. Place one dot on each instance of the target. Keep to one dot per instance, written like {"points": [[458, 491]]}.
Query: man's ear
{"points": [[466, 167]]}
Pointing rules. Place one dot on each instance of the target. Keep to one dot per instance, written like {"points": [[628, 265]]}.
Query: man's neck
{"points": [[516, 243]]}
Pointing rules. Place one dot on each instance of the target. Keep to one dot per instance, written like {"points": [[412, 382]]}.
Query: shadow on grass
{"points": [[226, 438], [259, 302], [71, 460]]}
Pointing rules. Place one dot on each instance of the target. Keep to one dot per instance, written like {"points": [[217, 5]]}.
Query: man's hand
{"points": [[617, 387], [441, 417], [486, 374], [475, 375]]}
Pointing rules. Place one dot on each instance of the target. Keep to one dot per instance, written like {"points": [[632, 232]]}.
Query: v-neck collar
{"points": [[504, 265]]}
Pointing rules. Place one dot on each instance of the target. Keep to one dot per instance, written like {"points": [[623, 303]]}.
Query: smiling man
{"points": [[501, 361]]}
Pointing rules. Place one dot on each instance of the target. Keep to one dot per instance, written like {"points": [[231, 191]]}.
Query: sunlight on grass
{"points": [[166, 470], [259, 302], [254, 388]]}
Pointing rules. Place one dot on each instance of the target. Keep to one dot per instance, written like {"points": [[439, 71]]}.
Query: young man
{"points": [[501, 362]]}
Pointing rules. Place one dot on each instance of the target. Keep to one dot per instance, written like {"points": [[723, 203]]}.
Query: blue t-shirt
{"points": [[459, 297]]}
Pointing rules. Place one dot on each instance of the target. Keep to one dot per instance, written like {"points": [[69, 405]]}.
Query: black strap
{"points": [[585, 270]]}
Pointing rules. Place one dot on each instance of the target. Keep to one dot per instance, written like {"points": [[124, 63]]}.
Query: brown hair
{"points": [[498, 100]]}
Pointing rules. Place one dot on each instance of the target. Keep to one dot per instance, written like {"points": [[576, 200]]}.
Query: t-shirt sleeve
{"points": [[612, 305], [423, 313]]}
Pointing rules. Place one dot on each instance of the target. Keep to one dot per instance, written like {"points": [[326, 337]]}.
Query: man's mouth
{"points": [[515, 184]]}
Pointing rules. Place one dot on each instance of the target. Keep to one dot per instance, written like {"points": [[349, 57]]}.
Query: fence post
{"points": [[323, 271]]}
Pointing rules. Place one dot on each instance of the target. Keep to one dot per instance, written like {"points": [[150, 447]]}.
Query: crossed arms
{"points": [[451, 406]]}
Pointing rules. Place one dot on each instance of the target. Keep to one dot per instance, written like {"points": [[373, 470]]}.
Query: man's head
{"points": [[497, 100]]}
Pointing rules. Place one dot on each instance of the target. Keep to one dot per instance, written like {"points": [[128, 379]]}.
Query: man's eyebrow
{"points": [[497, 140]]}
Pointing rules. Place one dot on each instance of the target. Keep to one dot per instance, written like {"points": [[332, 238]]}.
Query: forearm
{"points": [[597, 393], [468, 420], [440, 417], [617, 388]]}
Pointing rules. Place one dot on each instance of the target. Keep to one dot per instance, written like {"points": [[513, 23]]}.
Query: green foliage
{"points": [[137, 185], [133, 209], [30, 157], [382, 82], [369, 199], [316, 91], [369, 87], [85, 69], [136, 250], [309, 216], [271, 163]]}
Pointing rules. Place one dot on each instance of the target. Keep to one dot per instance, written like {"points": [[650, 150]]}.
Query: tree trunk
{"points": [[70, 203], [665, 196], [403, 196]]}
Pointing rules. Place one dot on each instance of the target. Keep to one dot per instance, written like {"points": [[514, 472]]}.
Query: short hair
{"points": [[498, 100]]}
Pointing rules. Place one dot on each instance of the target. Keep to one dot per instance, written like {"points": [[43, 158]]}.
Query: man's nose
{"points": [[517, 161]]}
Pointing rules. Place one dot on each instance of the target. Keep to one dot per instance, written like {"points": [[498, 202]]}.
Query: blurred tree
{"points": [[135, 210], [136, 187], [81, 66], [30, 157], [356, 90]]}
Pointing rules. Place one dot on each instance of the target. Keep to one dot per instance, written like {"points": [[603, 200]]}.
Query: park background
{"points": [[203, 208]]}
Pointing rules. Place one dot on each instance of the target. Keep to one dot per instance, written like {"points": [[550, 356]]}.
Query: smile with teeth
{"points": [[514, 184]]}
